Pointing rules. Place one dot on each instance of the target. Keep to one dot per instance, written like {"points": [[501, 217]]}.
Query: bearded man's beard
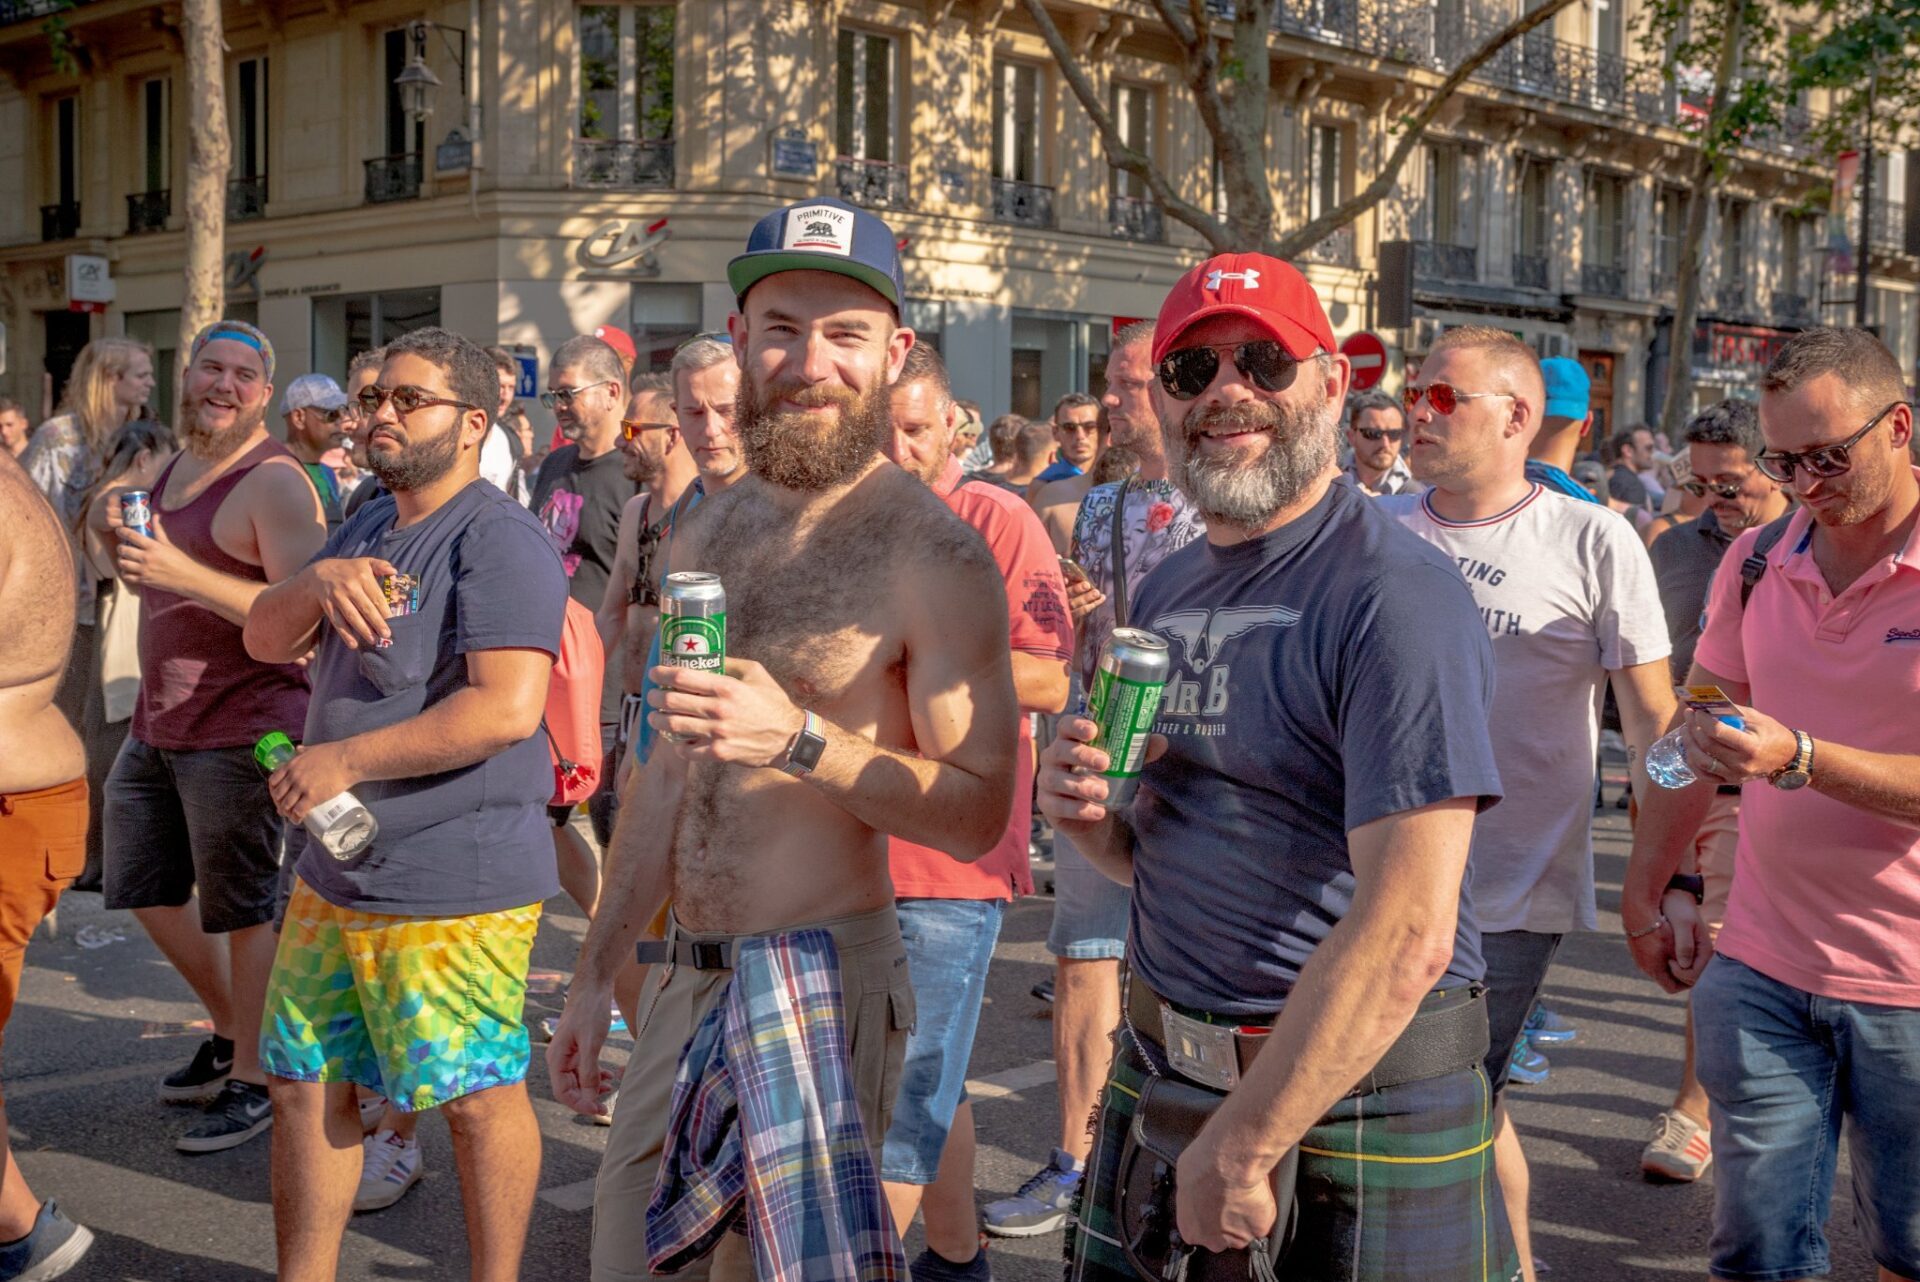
{"points": [[799, 451], [416, 464], [214, 444], [1231, 491]]}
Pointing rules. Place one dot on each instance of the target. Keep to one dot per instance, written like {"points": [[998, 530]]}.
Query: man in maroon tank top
{"points": [[186, 808]]}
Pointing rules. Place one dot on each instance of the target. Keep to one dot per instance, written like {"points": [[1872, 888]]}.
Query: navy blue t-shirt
{"points": [[1325, 675], [466, 841]]}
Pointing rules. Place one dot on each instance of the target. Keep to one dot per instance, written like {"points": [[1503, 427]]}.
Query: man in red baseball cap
{"points": [[1298, 843]]}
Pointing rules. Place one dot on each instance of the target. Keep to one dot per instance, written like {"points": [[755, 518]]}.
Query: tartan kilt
{"points": [[1395, 1186]]}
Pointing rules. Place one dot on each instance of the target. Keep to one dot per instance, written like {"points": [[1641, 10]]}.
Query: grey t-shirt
{"points": [[466, 841], [1325, 675], [1567, 594], [1684, 560]]}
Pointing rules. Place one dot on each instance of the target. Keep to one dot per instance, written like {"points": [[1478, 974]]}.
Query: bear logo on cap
{"points": [[820, 229]]}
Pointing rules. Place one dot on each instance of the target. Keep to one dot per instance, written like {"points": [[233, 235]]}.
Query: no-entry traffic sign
{"points": [[1368, 357]]}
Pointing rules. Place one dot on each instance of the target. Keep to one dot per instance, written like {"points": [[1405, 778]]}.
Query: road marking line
{"points": [[1013, 1081], [577, 1196]]}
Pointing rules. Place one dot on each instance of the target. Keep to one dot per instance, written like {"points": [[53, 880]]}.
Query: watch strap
{"points": [[1802, 762]]}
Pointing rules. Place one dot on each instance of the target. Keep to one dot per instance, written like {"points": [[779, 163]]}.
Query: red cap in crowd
{"points": [[620, 341], [1272, 294]]}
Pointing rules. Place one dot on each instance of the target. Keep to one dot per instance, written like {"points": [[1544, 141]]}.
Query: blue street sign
{"points": [[529, 381]]}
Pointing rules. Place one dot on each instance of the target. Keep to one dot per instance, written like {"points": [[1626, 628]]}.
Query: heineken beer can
{"points": [[1123, 702], [693, 622]]}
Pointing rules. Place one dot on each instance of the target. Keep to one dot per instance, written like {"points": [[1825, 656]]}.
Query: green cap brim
{"points": [[746, 271]]}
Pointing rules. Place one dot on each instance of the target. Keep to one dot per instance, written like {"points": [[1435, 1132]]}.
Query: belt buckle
{"points": [[709, 954], [1199, 1050]]}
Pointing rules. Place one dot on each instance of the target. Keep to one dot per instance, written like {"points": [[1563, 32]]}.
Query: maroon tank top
{"points": [[198, 686]]}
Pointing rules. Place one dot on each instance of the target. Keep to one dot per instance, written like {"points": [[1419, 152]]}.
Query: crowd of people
{"points": [[1295, 975]]}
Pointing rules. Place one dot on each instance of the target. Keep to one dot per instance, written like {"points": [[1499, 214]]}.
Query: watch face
{"points": [[1792, 779]]}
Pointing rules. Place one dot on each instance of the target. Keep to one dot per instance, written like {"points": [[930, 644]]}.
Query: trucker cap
{"points": [[1267, 291], [822, 235], [312, 391], [1567, 387]]}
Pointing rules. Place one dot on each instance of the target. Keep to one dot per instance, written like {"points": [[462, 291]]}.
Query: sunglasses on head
{"points": [[562, 397], [1821, 462], [633, 430], [1444, 397], [1727, 490], [406, 400], [1186, 373], [1380, 433]]}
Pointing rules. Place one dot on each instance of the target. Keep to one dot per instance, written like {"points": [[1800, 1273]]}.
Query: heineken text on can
{"points": [[693, 622], [136, 511], [1123, 702]]}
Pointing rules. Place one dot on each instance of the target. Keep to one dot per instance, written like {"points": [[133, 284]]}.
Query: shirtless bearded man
{"points": [[859, 609], [43, 811]]}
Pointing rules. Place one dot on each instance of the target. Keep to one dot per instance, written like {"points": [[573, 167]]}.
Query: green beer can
{"points": [[1123, 703], [693, 622]]}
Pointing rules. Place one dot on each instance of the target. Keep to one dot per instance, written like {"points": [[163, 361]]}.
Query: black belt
{"points": [[700, 954], [1448, 1033], [1729, 790]]}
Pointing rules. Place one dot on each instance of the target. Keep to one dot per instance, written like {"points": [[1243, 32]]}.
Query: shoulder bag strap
{"points": [[1119, 555], [1755, 566]]}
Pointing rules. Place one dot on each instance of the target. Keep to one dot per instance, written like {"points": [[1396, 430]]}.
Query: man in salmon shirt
{"points": [[950, 911], [1808, 1016]]}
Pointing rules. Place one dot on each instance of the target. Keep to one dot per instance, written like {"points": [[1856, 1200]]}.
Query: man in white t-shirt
{"points": [[499, 452], [1569, 598]]}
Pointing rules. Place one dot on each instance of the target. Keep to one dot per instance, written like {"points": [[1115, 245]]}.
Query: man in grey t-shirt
{"points": [[1569, 599]]}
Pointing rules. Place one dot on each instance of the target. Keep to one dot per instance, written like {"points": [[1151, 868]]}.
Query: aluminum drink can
{"points": [[1124, 700], [693, 622], [136, 511]]}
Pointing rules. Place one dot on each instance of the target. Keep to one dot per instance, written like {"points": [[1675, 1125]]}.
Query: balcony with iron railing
{"points": [[623, 164], [876, 184], [1731, 299], [391, 178], [61, 221], [1604, 280], [1530, 271], [148, 210], [1135, 218], [246, 198], [1887, 227], [1437, 260], [12, 11], [1792, 308], [1335, 249], [1026, 204]]}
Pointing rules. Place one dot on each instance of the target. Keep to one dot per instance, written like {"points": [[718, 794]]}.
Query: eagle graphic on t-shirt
{"points": [[1204, 633]]}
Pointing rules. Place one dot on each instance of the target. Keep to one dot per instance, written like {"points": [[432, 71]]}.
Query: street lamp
{"points": [[416, 82]]}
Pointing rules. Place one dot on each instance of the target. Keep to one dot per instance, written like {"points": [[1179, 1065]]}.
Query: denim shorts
{"points": [[1089, 908], [949, 945], [1787, 1072]]}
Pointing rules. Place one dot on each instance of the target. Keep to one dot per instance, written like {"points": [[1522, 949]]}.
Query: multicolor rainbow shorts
{"points": [[421, 1009]]}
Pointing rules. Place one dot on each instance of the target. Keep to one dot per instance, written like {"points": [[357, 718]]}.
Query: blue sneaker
{"points": [[1042, 1204], [52, 1249], [1548, 1028], [1527, 1066]]}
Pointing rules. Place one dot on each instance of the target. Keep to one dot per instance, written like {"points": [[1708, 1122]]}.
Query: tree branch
{"points": [[1119, 155], [1304, 238]]}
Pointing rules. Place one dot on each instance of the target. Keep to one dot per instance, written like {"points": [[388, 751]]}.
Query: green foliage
{"points": [[59, 40]]}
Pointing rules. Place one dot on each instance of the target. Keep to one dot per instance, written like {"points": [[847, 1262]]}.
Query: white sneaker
{"points": [[1681, 1149], [372, 1109], [389, 1166]]}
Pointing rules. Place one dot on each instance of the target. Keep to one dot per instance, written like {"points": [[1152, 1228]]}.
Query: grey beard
{"points": [[1243, 496]]}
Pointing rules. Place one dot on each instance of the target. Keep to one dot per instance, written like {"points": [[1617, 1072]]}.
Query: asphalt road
{"points": [[97, 1025]]}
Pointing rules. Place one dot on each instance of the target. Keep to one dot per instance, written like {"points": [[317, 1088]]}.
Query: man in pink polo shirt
{"points": [[1809, 1015], [950, 911]]}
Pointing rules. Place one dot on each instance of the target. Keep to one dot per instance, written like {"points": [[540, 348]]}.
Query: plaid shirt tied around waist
{"points": [[764, 1128]]}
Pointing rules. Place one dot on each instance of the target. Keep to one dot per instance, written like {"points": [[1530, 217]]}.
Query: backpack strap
{"points": [[1755, 566], [1119, 554]]}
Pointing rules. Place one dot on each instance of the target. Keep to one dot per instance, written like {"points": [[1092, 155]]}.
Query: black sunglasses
{"points": [[406, 399], [1191, 370], [1381, 433], [1699, 488], [1823, 461]]}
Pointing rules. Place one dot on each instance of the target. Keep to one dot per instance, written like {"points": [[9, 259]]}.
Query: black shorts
{"points": [[177, 820], [1517, 965], [603, 807]]}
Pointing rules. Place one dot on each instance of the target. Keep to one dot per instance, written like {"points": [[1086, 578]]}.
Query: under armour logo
{"points": [[1250, 278]]}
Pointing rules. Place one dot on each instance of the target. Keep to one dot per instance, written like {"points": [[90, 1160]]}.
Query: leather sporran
{"points": [[1168, 1118]]}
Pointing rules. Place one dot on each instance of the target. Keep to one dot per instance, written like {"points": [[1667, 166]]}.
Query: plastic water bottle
{"points": [[342, 826], [1667, 758]]}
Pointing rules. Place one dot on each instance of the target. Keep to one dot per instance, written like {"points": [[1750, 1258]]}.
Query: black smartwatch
{"points": [[803, 754], [1691, 882]]}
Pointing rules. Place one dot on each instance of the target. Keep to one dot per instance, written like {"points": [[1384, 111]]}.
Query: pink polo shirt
{"points": [[1826, 897]]}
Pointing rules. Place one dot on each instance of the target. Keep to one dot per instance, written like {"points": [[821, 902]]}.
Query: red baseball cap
{"points": [[620, 341], [1272, 294]]}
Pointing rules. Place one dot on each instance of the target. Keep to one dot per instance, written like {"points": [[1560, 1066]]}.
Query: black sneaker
{"points": [[238, 1113], [1043, 990], [54, 1247], [930, 1266], [202, 1079]]}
